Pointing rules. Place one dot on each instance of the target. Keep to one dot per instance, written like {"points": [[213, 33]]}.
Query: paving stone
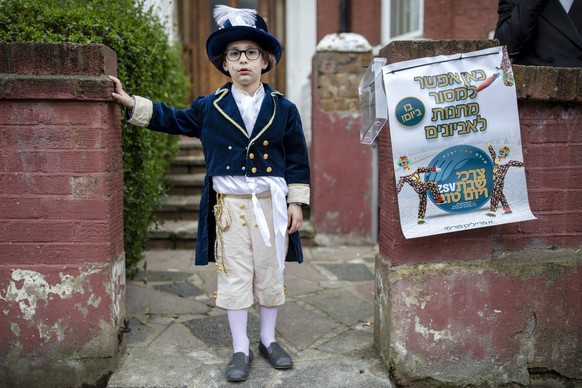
{"points": [[333, 373], [348, 342], [305, 270], [343, 253], [178, 336], [215, 332], [172, 369], [349, 272], [366, 290], [142, 299], [342, 305], [301, 326], [161, 276], [168, 260], [299, 286], [182, 289], [139, 331]]}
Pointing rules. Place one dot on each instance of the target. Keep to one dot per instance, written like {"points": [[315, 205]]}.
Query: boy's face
{"points": [[244, 71]]}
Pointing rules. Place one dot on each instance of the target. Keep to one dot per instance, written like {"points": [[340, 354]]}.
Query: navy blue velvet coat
{"points": [[277, 148]]}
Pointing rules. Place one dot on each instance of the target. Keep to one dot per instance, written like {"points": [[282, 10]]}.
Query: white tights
{"points": [[237, 320]]}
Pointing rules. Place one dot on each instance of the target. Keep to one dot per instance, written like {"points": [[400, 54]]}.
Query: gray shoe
{"points": [[276, 356], [239, 366]]}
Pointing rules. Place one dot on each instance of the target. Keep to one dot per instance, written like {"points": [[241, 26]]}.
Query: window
{"points": [[402, 19]]}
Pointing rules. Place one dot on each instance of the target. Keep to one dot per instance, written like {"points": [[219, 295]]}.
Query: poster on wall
{"points": [[456, 142]]}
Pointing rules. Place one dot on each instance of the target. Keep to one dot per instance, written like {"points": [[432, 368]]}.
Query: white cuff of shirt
{"points": [[298, 193], [142, 111]]}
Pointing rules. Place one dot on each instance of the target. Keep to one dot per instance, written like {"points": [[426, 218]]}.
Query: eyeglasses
{"points": [[252, 54]]}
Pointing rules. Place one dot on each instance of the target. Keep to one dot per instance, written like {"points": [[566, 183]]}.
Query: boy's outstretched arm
{"points": [[120, 95]]}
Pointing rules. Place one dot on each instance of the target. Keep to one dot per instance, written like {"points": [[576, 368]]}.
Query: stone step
{"points": [[182, 235], [178, 207], [188, 184], [188, 164]]}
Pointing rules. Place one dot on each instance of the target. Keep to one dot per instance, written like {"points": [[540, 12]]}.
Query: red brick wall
{"points": [[459, 19], [364, 19], [61, 214]]}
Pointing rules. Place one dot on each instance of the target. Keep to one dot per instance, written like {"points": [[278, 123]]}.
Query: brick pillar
{"points": [[342, 168], [62, 272], [491, 306]]}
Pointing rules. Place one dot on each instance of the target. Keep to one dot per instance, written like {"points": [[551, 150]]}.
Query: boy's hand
{"points": [[295, 213], [120, 95]]}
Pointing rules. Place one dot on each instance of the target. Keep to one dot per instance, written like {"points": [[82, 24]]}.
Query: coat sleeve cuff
{"points": [[298, 194], [142, 112]]}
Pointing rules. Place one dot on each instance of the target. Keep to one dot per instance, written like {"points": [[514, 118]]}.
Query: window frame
{"points": [[386, 26]]}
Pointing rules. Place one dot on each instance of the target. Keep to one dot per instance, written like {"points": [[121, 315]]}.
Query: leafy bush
{"points": [[148, 65]]}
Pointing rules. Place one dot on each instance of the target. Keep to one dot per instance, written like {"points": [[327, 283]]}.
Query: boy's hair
{"points": [[270, 57]]}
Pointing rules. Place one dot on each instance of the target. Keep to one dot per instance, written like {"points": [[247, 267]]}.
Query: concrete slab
{"points": [[343, 305], [303, 326], [182, 289], [142, 299], [168, 260], [178, 336], [155, 368], [349, 272], [215, 332]]}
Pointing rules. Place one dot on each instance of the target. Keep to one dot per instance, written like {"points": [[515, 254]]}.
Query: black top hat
{"points": [[239, 24]]}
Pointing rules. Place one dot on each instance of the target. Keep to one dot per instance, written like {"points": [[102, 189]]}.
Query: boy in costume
{"points": [[257, 178]]}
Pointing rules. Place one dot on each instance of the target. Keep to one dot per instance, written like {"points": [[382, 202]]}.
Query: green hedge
{"points": [[148, 65]]}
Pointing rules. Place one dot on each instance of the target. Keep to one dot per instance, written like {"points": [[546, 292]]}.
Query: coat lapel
{"points": [[563, 22], [226, 106], [265, 113], [576, 15]]}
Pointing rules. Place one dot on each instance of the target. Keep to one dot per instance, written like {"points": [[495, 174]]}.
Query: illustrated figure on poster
{"points": [[504, 70], [419, 186], [499, 172]]}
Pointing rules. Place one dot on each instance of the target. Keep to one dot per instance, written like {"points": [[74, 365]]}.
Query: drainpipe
{"points": [[344, 15]]}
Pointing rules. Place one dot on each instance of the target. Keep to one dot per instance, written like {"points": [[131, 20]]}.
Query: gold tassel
{"points": [[220, 211]]}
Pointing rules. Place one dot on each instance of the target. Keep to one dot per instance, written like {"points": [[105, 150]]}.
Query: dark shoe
{"points": [[276, 356], [239, 366]]}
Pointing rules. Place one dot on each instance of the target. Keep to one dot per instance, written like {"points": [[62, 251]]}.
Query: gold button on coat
{"points": [[269, 169], [266, 156], [266, 143], [254, 170], [252, 156]]}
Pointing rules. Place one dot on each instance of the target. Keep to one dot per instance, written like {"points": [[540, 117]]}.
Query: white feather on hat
{"points": [[236, 16]]}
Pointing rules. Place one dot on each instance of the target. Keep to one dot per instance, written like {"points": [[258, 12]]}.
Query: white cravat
{"points": [[249, 105], [567, 4]]}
